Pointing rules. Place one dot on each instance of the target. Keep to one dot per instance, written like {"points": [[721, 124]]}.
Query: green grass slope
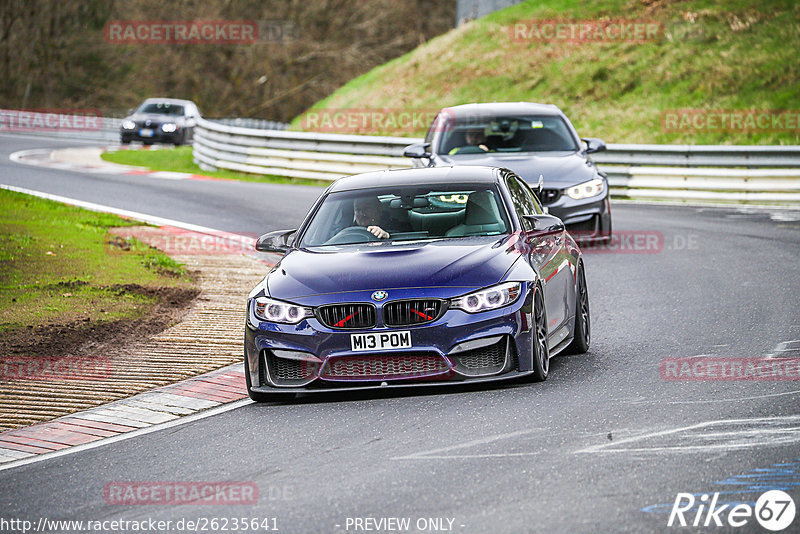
{"points": [[724, 55], [58, 265]]}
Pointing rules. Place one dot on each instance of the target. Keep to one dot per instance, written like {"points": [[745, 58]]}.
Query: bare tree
{"points": [[53, 52]]}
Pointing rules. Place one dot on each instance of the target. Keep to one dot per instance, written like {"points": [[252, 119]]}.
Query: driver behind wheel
{"points": [[475, 139], [369, 212]]}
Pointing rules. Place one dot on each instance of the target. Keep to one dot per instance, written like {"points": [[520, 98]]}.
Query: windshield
{"points": [[161, 108], [407, 213], [479, 135]]}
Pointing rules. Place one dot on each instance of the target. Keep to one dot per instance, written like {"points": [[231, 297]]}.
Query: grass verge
{"points": [[179, 159], [711, 55], [58, 265]]}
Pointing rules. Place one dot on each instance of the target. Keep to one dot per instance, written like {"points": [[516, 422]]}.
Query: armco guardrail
{"points": [[701, 155], [294, 154], [261, 124], [759, 174]]}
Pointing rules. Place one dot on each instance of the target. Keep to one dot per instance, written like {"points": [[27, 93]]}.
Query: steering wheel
{"points": [[352, 234]]}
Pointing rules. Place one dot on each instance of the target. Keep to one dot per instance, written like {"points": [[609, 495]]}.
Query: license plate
{"points": [[146, 132], [386, 340]]}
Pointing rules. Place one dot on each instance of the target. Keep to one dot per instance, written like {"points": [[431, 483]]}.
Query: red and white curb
{"points": [[142, 411], [198, 397]]}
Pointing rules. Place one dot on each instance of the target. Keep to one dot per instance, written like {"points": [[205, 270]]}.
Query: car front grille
{"points": [[549, 196], [287, 372], [482, 361], [347, 315], [384, 366], [411, 312], [143, 124]]}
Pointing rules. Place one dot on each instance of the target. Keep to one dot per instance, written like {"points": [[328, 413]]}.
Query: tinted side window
{"points": [[523, 202], [536, 204]]}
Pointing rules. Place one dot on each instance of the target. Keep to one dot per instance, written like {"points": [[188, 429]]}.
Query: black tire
{"points": [[583, 320], [257, 396], [541, 352]]}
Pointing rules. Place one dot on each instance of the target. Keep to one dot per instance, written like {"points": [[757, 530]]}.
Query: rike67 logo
{"points": [[774, 510]]}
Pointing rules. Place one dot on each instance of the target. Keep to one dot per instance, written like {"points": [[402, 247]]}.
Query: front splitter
{"points": [[392, 385]]}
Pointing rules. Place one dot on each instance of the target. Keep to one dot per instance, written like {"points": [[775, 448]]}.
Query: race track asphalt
{"points": [[604, 445]]}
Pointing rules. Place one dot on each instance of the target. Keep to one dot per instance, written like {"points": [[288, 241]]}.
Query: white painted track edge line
{"points": [[144, 217], [128, 435]]}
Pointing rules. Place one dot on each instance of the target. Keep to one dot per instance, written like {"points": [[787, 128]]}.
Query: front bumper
{"points": [[456, 348], [157, 137], [586, 220]]}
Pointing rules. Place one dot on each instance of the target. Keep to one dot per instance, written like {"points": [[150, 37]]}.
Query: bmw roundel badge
{"points": [[379, 296]]}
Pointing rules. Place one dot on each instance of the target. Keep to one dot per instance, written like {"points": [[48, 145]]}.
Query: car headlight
{"points": [[276, 311], [490, 298], [586, 189], [128, 125], [169, 127]]}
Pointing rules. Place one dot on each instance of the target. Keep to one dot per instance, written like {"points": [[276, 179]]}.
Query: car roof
{"points": [[503, 108], [420, 176]]}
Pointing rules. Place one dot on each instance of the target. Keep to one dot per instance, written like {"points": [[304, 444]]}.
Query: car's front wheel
{"points": [[541, 352], [583, 323]]}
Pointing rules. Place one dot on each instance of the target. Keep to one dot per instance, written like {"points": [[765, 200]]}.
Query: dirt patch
{"points": [[88, 337]]}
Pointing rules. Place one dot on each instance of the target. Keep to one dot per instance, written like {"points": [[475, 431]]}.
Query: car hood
{"points": [[558, 169], [465, 263]]}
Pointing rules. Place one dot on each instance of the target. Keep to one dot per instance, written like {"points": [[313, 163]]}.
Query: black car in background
{"points": [[536, 141], [161, 120]]}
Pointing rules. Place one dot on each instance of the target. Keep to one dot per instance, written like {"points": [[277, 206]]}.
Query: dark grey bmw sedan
{"points": [[161, 120], [536, 141]]}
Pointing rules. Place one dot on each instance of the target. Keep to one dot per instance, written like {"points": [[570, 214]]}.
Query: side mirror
{"points": [[544, 225], [417, 150], [130, 111], [276, 242], [594, 145]]}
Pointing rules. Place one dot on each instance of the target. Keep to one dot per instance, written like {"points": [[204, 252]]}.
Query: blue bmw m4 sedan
{"points": [[415, 277]]}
